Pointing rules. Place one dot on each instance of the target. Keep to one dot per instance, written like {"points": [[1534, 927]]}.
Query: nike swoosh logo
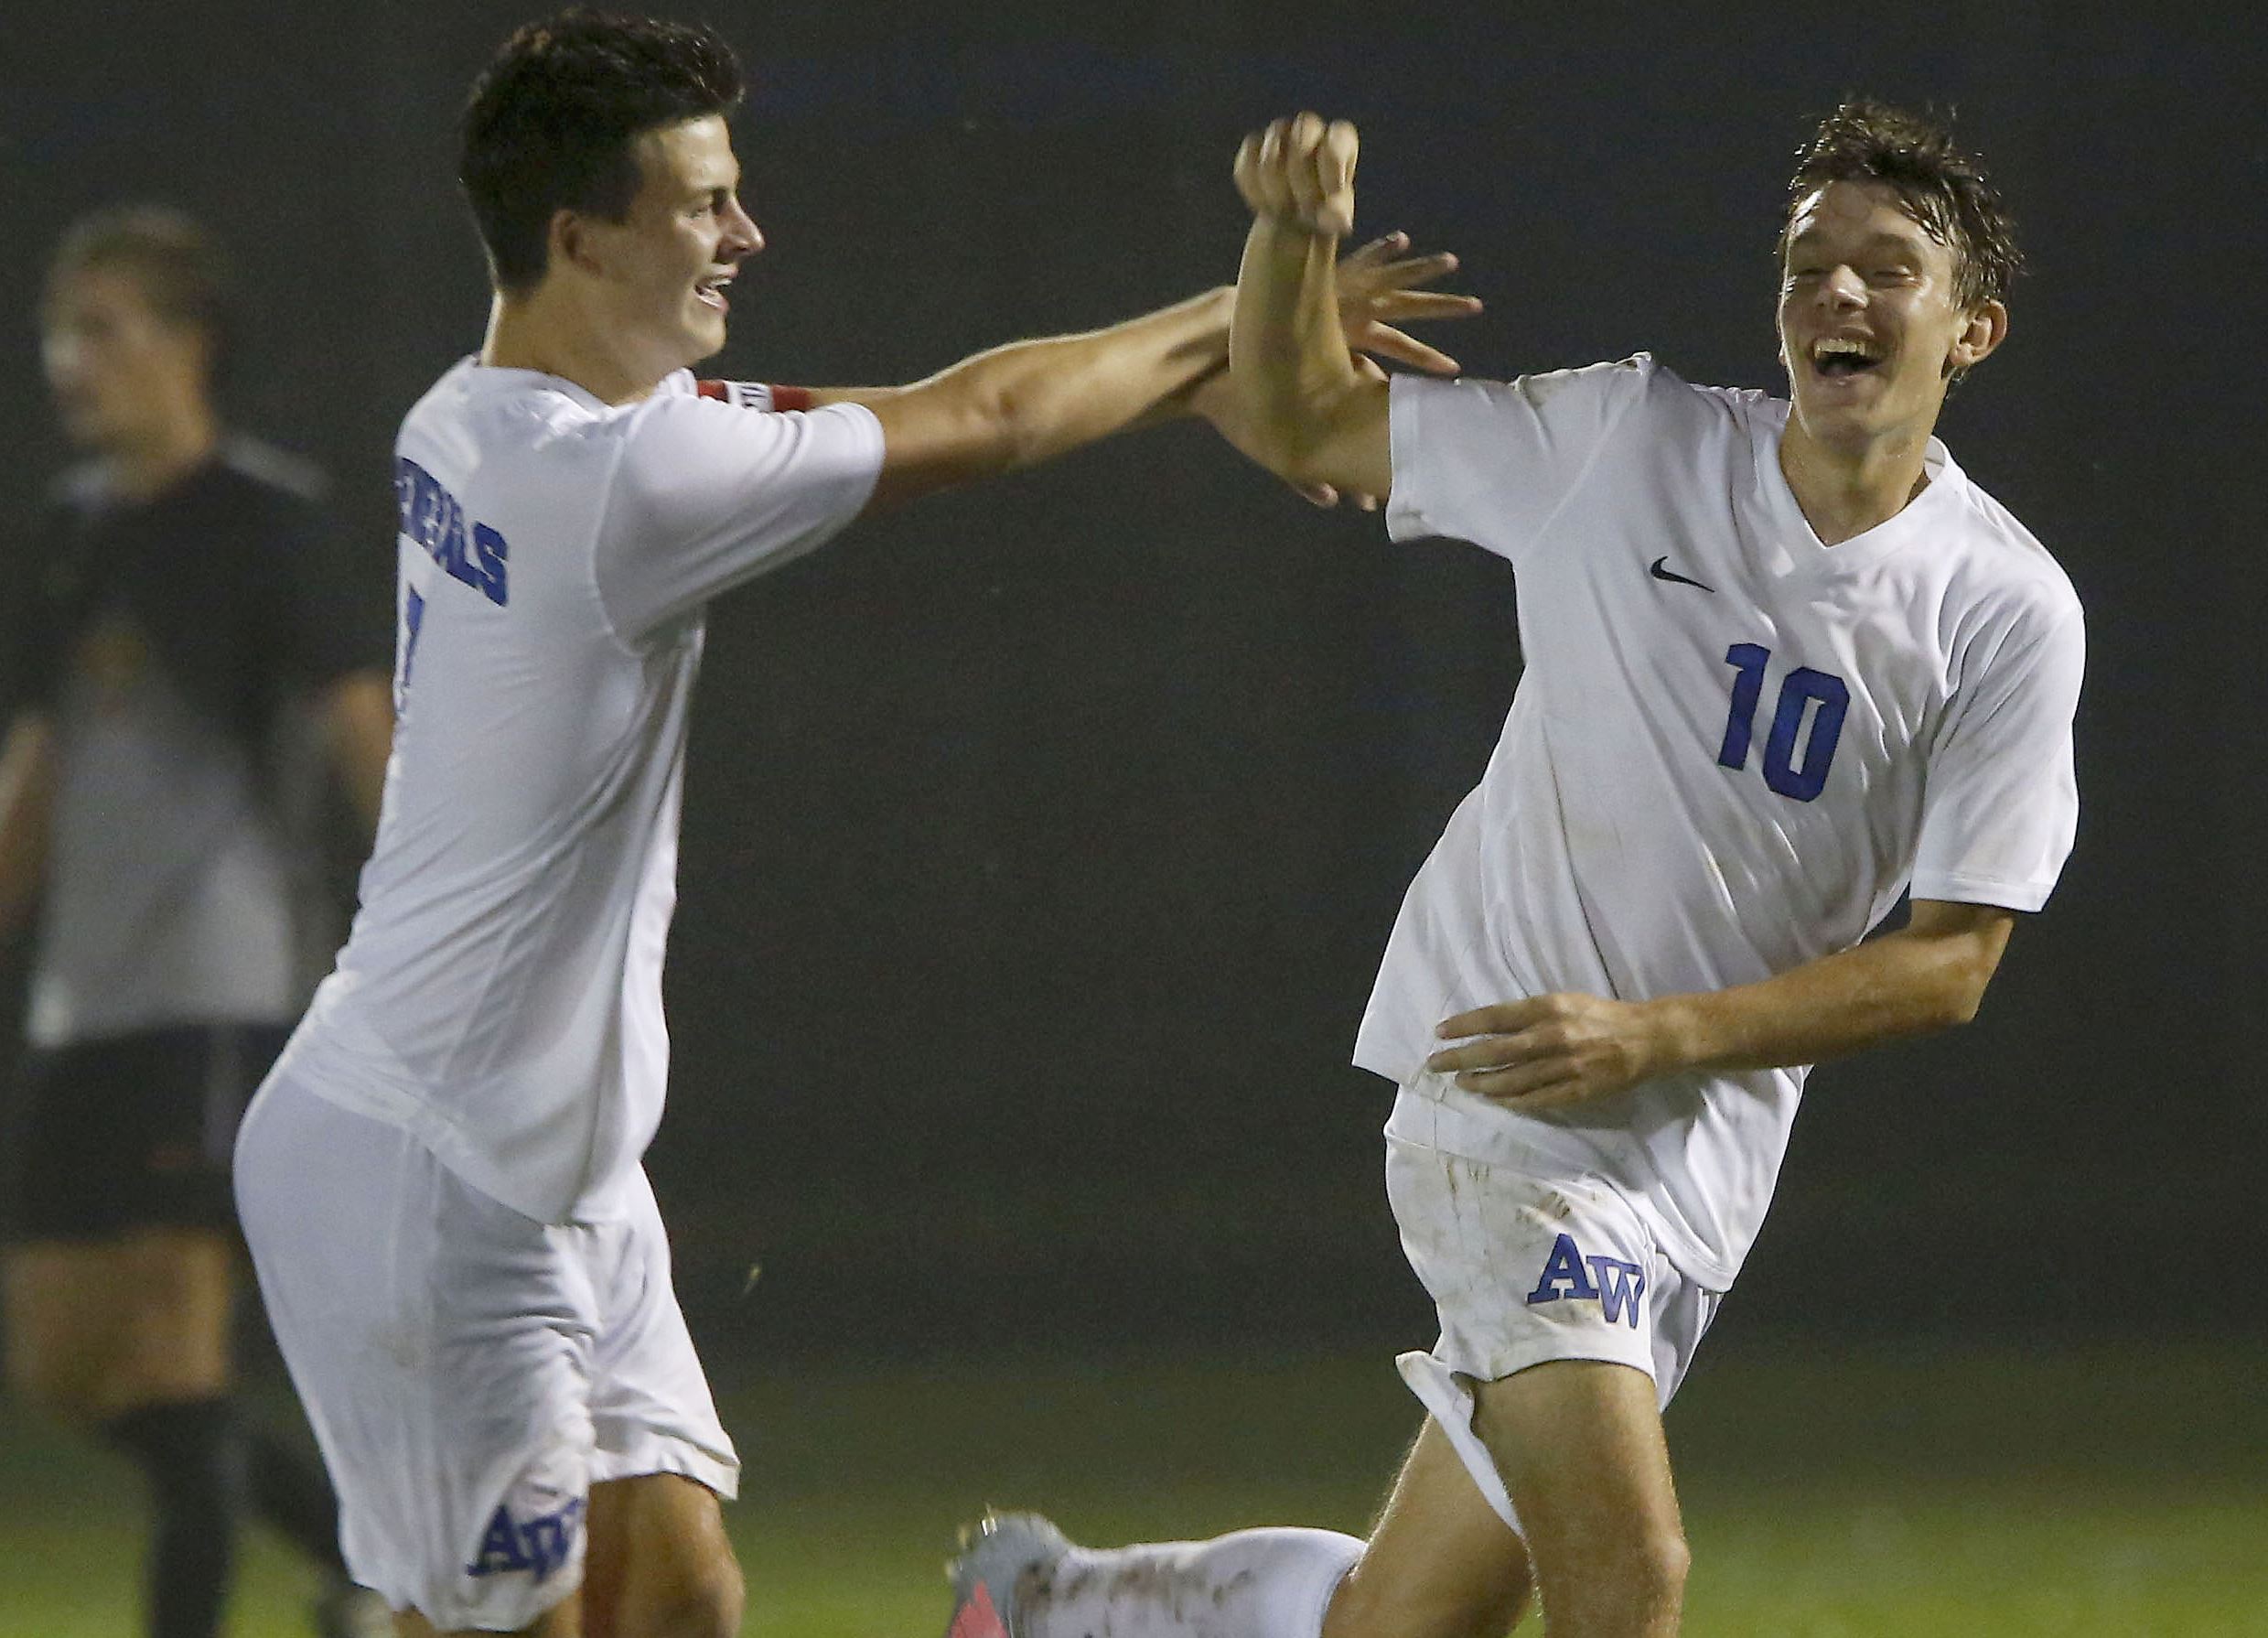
{"points": [[1660, 573]]}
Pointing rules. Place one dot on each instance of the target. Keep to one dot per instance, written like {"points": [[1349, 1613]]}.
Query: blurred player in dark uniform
{"points": [[177, 614]]}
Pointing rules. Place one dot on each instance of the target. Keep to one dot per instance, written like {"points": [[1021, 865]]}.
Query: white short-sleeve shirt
{"points": [[1732, 748], [501, 993]]}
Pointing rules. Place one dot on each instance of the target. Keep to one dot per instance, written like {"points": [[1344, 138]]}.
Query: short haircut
{"points": [[550, 122], [1939, 184], [175, 263]]}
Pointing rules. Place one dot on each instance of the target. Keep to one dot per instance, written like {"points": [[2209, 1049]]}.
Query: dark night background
{"points": [[1040, 840]]}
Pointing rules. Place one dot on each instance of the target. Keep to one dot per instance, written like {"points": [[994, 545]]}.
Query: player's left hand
{"points": [[1378, 282], [1377, 288], [1548, 1051]]}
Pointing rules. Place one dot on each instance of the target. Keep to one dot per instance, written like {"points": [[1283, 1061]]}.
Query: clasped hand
{"points": [[1301, 170]]}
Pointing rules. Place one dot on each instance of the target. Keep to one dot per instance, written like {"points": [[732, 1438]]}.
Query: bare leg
{"points": [[1580, 1447], [99, 1328], [129, 1336], [1439, 1563], [660, 1563]]}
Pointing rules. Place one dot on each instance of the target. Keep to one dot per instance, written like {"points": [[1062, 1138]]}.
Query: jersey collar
{"points": [[1924, 515]]}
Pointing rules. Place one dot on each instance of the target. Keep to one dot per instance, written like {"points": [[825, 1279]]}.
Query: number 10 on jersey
{"points": [[1802, 778]]}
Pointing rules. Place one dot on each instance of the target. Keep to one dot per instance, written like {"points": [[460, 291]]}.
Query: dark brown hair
{"points": [[1938, 183], [550, 121]]}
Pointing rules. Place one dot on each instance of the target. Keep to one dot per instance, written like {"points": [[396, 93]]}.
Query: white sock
{"points": [[1273, 1583]]}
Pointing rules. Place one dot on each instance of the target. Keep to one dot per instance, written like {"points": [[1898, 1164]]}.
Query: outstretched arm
{"points": [[1548, 1051], [1315, 416], [1030, 401]]}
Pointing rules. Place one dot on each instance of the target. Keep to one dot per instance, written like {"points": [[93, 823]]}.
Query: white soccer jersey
{"points": [[501, 993], [1732, 748]]}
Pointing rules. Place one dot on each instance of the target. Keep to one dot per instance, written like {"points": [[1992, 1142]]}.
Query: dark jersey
{"points": [[233, 578], [163, 640]]}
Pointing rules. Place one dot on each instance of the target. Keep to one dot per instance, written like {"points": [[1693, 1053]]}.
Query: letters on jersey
{"points": [[541, 1545], [1616, 1286], [500, 994], [432, 517], [1731, 749]]}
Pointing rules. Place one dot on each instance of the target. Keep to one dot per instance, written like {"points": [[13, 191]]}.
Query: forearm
{"points": [[360, 722], [1027, 402], [1898, 986], [1299, 395]]}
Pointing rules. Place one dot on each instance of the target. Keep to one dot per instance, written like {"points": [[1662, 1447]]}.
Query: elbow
{"points": [[1962, 995], [1015, 432]]}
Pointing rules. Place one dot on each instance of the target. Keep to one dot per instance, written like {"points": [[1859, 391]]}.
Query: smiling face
{"points": [[657, 277], [1871, 323]]}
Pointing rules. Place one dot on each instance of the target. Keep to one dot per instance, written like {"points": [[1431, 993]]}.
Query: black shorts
{"points": [[134, 1131]]}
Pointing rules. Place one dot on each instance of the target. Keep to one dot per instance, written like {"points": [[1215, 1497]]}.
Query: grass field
{"points": [[1947, 1492]]}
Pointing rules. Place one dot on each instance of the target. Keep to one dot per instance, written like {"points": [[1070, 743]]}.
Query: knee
{"points": [[1659, 1561], [1644, 1574]]}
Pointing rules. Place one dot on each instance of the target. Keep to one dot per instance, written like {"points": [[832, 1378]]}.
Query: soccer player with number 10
{"points": [[1785, 663]]}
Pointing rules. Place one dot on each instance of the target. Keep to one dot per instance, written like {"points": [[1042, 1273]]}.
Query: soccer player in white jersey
{"points": [[1784, 662], [440, 1181]]}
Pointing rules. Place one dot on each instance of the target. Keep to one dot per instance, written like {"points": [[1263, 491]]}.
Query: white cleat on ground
{"points": [[999, 1557]]}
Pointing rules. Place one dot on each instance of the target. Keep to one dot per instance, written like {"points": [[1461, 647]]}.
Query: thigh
{"points": [[96, 1329], [441, 1344], [660, 1560], [1580, 1446], [1526, 1271], [1439, 1562]]}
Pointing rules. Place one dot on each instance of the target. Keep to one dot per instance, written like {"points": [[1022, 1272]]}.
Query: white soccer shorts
{"points": [[471, 1372], [1523, 1270]]}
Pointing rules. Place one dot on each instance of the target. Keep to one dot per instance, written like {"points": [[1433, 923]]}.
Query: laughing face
{"points": [[666, 265], [1871, 323]]}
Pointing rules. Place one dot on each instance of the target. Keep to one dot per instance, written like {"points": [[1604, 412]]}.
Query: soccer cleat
{"points": [[998, 1559]]}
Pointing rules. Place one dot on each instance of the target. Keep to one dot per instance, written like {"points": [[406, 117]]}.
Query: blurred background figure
{"points": [[183, 645]]}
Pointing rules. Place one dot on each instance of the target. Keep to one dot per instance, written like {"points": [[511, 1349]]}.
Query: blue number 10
{"points": [[1804, 780]]}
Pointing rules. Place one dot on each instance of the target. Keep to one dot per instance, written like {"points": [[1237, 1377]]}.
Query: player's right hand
{"points": [[1301, 170]]}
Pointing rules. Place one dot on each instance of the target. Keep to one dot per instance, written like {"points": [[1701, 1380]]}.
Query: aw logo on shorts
{"points": [[1615, 1286], [541, 1545]]}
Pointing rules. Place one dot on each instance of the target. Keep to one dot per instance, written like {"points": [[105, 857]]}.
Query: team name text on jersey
{"points": [[432, 517]]}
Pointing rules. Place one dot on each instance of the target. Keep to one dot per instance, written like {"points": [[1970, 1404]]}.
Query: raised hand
{"points": [[1378, 283], [1302, 169], [1375, 284]]}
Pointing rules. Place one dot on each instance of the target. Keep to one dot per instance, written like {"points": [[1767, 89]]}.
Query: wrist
{"points": [[1674, 1034]]}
